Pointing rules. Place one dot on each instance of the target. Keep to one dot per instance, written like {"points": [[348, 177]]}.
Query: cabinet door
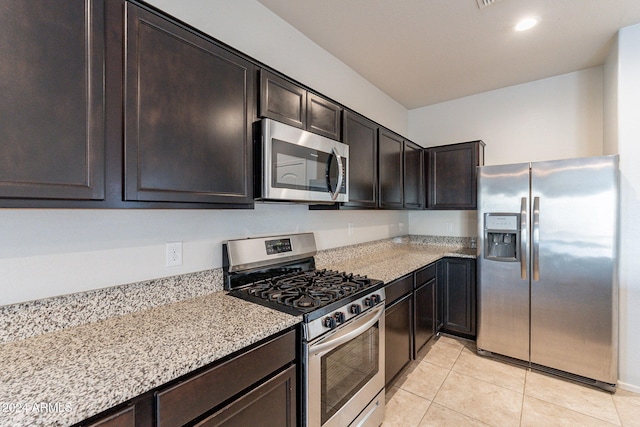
{"points": [[273, 404], [361, 135], [390, 170], [440, 295], [398, 338], [453, 178], [187, 116], [51, 102], [281, 100], [323, 117], [425, 309], [459, 277], [413, 178]]}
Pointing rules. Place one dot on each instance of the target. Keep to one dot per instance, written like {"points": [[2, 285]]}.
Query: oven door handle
{"points": [[348, 333]]}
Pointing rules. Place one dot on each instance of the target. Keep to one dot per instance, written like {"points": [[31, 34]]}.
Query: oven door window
{"points": [[301, 168], [346, 369]]}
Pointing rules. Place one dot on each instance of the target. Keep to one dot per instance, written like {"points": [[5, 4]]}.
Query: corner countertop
{"points": [[391, 259], [87, 369], [83, 370]]}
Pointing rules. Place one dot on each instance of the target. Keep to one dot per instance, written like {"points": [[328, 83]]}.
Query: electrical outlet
{"points": [[448, 227], [349, 228], [174, 254]]}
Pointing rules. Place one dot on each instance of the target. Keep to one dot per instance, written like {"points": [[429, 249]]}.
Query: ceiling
{"points": [[422, 52]]}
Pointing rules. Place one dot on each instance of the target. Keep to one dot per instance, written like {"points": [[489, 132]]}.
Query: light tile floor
{"points": [[450, 385]]}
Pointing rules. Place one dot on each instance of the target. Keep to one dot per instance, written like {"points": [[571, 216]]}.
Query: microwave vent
{"points": [[485, 3]]}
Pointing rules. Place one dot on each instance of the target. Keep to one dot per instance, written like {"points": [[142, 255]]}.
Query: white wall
{"points": [[623, 135], [443, 223], [554, 118], [53, 252]]}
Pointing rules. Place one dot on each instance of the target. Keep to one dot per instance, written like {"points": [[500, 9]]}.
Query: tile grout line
{"points": [[617, 410], [620, 423], [440, 388], [524, 392]]}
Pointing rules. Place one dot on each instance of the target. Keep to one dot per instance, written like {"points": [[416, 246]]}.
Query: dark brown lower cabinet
{"points": [[197, 395], [273, 404], [424, 300], [424, 312], [398, 338], [457, 299]]}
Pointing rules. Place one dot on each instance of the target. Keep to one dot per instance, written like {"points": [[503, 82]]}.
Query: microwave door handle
{"points": [[340, 174]]}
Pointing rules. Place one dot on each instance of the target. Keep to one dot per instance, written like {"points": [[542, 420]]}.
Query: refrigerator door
{"points": [[573, 287], [503, 292]]}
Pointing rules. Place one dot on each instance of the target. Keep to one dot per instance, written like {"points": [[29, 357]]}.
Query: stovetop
{"points": [[279, 272], [309, 293]]}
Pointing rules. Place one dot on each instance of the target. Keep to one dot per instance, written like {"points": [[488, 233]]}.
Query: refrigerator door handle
{"points": [[523, 238], [535, 231]]}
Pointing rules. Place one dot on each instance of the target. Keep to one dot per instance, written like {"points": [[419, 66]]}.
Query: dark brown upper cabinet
{"points": [[452, 175], [390, 170], [361, 135], [281, 100], [414, 193], [188, 114], [52, 143], [289, 103], [323, 116]]}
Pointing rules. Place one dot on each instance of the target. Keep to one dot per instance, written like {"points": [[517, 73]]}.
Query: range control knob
{"points": [[329, 322], [368, 302], [375, 299], [339, 316], [355, 309]]}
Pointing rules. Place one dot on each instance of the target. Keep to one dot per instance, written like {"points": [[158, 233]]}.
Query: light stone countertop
{"points": [[391, 260], [90, 368]]}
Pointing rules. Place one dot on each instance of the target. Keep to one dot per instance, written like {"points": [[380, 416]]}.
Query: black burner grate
{"points": [[309, 289]]}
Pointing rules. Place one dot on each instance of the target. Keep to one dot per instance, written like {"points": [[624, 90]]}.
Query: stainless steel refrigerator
{"points": [[547, 266]]}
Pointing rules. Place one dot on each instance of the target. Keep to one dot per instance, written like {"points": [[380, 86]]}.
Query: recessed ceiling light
{"points": [[526, 24]]}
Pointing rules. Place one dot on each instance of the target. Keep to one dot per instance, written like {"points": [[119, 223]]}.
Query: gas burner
{"points": [[308, 290]]}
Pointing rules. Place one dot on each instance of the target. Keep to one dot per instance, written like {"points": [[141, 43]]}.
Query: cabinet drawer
{"points": [[276, 397], [193, 397], [398, 288], [124, 418], [425, 274]]}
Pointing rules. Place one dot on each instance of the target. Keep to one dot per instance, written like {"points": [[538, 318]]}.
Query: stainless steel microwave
{"points": [[300, 166]]}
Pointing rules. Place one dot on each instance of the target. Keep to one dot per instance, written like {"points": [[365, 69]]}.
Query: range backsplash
{"points": [[33, 318]]}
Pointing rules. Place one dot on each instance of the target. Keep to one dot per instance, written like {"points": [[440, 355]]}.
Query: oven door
{"points": [[301, 166], [345, 373]]}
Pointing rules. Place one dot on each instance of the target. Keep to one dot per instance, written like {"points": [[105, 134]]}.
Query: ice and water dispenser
{"points": [[501, 234]]}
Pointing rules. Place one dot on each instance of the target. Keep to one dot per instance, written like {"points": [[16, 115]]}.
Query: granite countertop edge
{"points": [[82, 371], [87, 369]]}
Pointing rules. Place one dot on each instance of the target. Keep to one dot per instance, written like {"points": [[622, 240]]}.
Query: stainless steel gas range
{"points": [[343, 324]]}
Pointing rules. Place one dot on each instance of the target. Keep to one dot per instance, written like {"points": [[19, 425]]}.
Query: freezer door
{"points": [[503, 285], [573, 287]]}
